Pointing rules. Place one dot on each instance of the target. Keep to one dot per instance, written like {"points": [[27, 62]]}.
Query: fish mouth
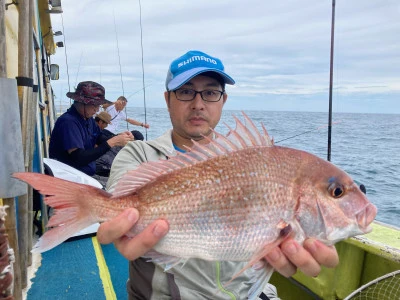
{"points": [[366, 216], [360, 224]]}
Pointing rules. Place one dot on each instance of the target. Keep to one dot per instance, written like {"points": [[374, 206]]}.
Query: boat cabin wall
{"points": [[41, 26], [43, 47]]}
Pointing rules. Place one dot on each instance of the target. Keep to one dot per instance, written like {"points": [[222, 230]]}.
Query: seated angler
{"points": [[75, 132]]}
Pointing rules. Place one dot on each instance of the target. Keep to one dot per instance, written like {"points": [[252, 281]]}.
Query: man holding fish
{"points": [[195, 95]]}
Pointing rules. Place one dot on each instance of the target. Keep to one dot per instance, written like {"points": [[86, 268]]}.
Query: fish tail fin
{"points": [[71, 203]]}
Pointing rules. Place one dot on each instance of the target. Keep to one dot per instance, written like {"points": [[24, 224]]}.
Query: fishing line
{"points": [[144, 87], [137, 91], [79, 66], [120, 68], [61, 96], [119, 57], [66, 57], [308, 131]]}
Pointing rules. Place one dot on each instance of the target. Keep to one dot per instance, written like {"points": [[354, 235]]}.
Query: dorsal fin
{"points": [[243, 136]]}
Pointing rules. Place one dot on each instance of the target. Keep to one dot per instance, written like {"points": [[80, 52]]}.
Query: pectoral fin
{"points": [[261, 271]]}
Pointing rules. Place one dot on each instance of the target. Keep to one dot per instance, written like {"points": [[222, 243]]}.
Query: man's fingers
{"points": [[280, 263], [109, 231], [128, 134], [323, 254], [116, 229], [300, 257], [291, 256], [132, 248]]}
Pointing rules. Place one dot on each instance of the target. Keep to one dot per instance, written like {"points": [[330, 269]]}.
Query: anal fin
{"points": [[168, 261]]}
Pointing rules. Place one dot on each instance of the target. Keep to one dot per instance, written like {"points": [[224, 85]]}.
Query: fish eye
{"points": [[336, 190]]}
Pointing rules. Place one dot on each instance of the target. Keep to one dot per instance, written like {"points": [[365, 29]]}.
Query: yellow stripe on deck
{"points": [[104, 272]]}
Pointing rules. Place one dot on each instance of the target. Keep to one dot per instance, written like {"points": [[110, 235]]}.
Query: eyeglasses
{"points": [[206, 95]]}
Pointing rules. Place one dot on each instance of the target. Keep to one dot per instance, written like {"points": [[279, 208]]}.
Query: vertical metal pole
{"points": [[331, 80]]}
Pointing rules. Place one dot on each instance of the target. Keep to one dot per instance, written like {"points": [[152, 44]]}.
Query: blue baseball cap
{"points": [[192, 64]]}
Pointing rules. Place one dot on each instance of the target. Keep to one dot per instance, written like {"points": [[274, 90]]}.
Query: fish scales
{"points": [[233, 201]]}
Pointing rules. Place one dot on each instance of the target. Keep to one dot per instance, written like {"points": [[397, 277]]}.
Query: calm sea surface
{"points": [[366, 146]]}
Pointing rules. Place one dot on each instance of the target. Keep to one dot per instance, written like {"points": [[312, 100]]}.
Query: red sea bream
{"points": [[232, 199]]}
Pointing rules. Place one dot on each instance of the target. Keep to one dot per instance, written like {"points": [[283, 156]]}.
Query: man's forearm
{"points": [[134, 122], [82, 157]]}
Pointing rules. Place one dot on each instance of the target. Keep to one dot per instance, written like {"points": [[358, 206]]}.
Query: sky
{"points": [[278, 52]]}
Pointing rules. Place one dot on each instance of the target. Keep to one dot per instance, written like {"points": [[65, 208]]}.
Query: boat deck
{"points": [[80, 268]]}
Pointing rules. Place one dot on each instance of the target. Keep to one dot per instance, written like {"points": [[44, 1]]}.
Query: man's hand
{"points": [[121, 139], [115, 230], [290, 255], [128, 133]]}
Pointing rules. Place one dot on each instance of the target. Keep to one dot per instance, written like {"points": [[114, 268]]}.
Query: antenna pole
{"points": [[331, 80]]}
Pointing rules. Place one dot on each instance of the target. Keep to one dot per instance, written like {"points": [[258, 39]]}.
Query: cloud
{"points": [[278, 52]]}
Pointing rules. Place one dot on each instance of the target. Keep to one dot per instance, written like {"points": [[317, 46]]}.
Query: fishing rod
{"points": [[141, 44], [331, 81], [120, 68], [308, 131]]}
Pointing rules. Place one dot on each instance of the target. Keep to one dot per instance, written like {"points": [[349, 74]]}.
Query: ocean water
{"points": [[366, 146]]}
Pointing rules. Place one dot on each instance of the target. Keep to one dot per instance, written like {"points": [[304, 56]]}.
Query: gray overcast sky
{"points": [[277, 51]]}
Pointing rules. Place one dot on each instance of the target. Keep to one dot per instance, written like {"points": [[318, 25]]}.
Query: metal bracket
{"points": [[12, 3]]}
